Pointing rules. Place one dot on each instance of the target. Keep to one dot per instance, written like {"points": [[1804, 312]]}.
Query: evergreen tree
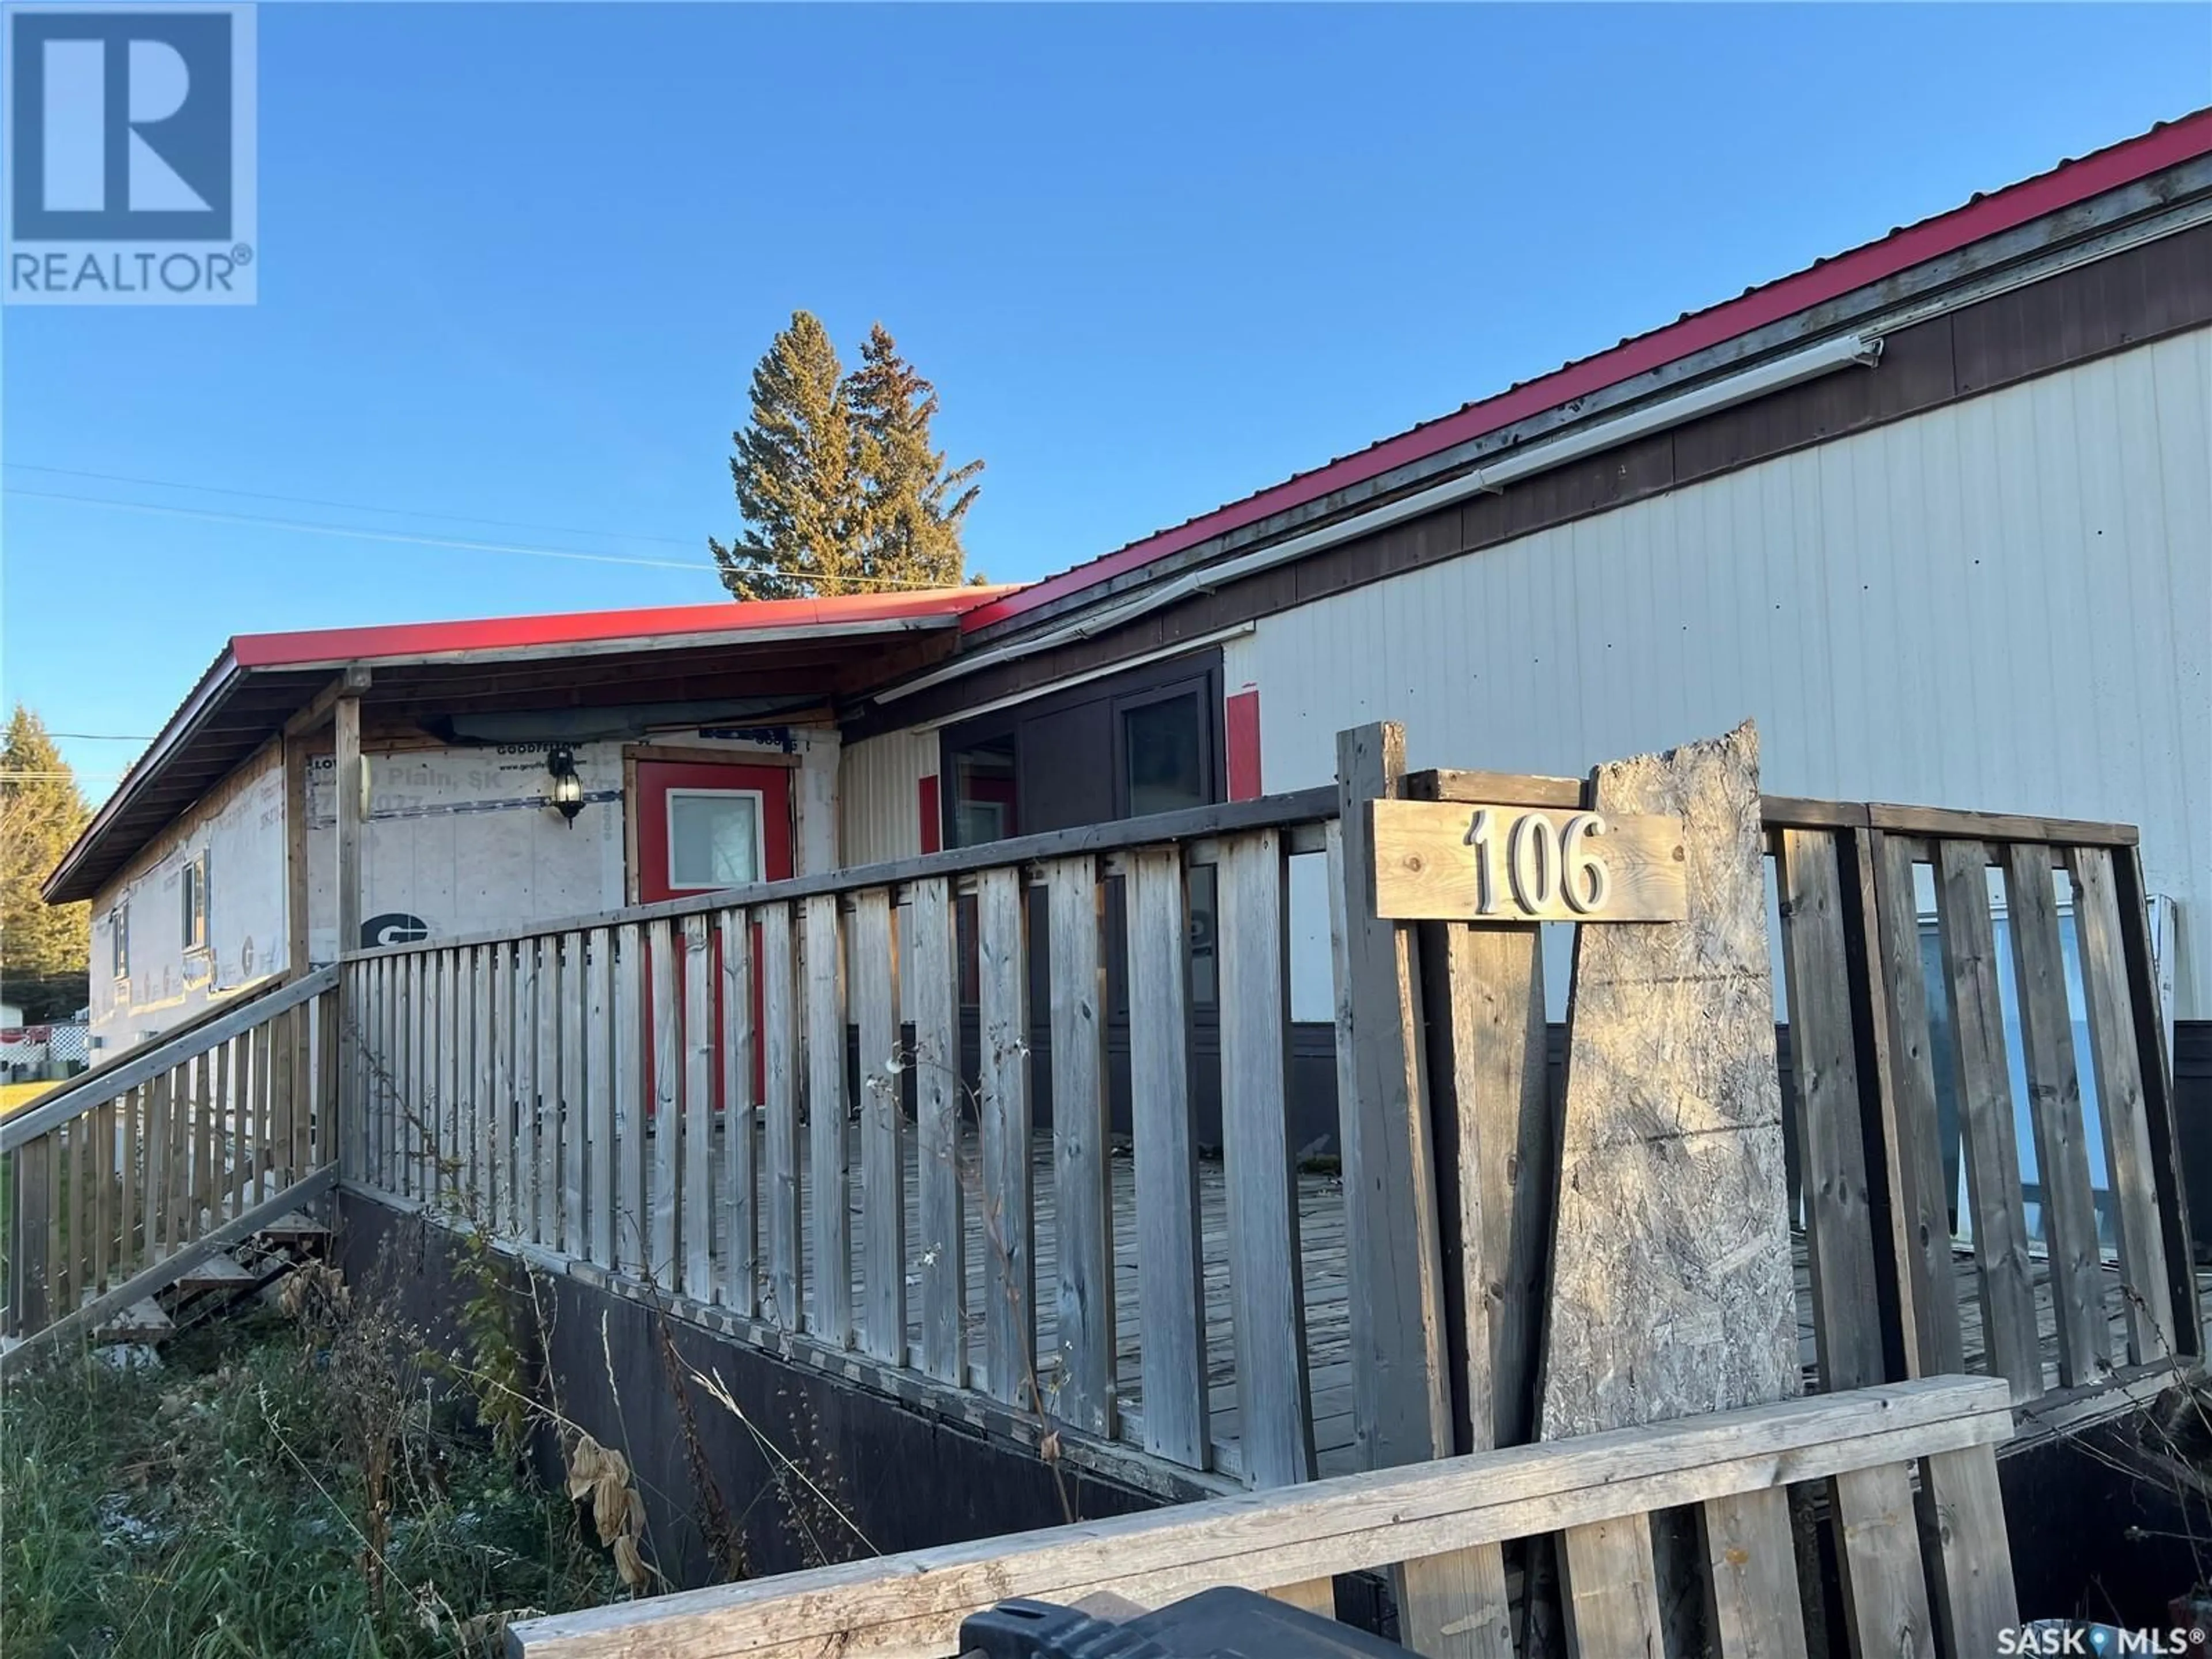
{"points": [[910, 515], [41, 813], [840, 489], [793, 469]]}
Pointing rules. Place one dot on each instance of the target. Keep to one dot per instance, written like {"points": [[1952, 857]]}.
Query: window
{"points": [[119, 941], [983, 793], [714, 838], [1164, 752], [193, 890]]}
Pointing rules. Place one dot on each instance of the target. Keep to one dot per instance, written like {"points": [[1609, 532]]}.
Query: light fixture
{"points": [[567, 787]]}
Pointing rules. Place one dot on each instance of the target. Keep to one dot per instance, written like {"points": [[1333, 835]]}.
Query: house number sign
{"points": [[1447, 861]]}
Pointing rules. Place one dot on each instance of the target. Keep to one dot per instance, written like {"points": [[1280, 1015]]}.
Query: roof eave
{"points": [[215, 687]]}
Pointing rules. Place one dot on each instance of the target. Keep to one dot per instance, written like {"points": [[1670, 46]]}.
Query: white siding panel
{"points": [[2005, 603], [878, 808]]}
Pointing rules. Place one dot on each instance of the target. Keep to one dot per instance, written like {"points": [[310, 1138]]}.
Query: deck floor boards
{"points": [[1321, 1250]]}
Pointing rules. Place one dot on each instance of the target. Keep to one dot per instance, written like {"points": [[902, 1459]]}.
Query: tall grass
{"points": [[220, 1506]]}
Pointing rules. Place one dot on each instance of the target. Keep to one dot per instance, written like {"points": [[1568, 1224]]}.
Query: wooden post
{"points": [[1267, 1307], [2083, 1324], [295, 853], [1934, 1341], [829, 1314], [1170, 1259], [29, 1301], [933, 1006], [1451, 1606], [346, 689], [1401, 1398], [1985, 1117], [2116, 1047], [349, 783], [2152, 1038], [1824, 1075], [1083, 1180], [874, 946]]}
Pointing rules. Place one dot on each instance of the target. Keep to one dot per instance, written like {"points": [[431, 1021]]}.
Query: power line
{"points": [[357, 533], [100, 737], [346, 506]]}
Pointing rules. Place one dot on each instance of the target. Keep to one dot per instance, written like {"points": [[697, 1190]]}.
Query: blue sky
{"points": [[517, 262]]}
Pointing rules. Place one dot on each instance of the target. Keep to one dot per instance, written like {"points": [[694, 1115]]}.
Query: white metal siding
{"points": [[2003, 603], [876, 795]]}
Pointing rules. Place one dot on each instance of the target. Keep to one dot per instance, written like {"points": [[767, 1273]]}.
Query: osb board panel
{"points": [[1672, 1288]]}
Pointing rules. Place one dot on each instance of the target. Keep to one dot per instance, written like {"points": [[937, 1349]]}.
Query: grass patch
{"points": [[277, 1489]]}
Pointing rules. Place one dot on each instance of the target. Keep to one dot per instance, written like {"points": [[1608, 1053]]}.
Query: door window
{"points": [[983, 792], [714, 838], [1163, 752]]}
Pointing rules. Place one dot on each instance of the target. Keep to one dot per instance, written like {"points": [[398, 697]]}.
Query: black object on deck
{"points": [[1215, 1622]]}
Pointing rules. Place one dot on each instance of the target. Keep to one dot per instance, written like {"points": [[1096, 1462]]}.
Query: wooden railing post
{"points": [[1402, 1397], [2150, 1037], [1824, 1075], [27, 1301]]}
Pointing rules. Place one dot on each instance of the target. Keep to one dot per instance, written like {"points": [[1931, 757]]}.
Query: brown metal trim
{"points": [[699, 754], [2144, 293]]}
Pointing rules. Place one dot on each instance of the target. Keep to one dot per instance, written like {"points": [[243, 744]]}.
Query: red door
{"points": [[705, 825], [702, 825]]}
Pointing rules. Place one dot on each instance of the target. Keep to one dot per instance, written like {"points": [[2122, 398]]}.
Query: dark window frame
{"points": [[1205, 686], [194, 908]]}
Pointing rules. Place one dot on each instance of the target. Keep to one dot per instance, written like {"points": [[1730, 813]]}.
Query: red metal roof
{"points": [[671, 622], [279, 673], [2065, 184]]}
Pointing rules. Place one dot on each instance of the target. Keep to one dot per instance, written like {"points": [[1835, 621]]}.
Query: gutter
{"points": [[1845, 351]]}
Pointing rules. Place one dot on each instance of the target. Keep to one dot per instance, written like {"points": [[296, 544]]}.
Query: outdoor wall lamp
{"points": [[567, 787]]}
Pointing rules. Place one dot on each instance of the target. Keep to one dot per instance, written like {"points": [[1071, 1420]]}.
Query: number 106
{"points": [[1544, 864]]}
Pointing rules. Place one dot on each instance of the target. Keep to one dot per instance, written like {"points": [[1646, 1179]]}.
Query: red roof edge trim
{"points": [[408, 640], [2063, 186]]}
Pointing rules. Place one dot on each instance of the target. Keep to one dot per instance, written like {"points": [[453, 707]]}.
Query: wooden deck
{"points": [[1322, 1249]]}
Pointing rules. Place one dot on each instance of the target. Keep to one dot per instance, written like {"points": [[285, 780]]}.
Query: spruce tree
{"points": [[793, 470], [835, 477], [41, 814], [910, 515]]}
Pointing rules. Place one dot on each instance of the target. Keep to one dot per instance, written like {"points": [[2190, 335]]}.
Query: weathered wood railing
{"points": [[121, 1180], [1597, 1494], [1860, 886], [571, 1089], [1888, 918]]}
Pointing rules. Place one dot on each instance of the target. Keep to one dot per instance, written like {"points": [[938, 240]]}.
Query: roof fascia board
{"points": [[464, 655], [2140, 212]]}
